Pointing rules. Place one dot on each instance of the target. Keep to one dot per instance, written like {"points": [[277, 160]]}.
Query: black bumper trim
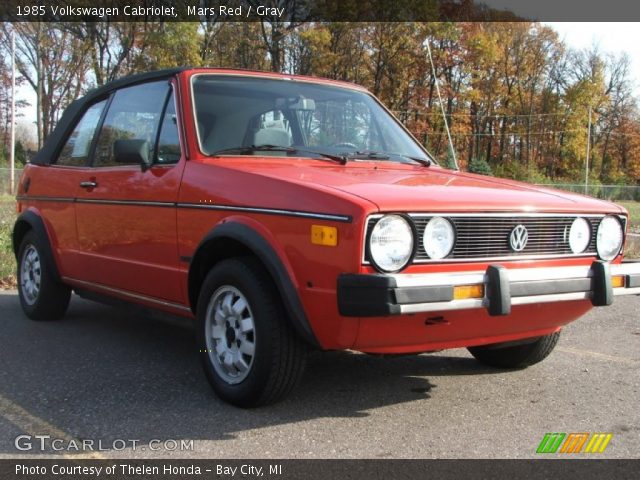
{"points": [[633, 281], [602, 288], [367, 296], [379, 295], [498, 290], [550, 287], [410, 295]]}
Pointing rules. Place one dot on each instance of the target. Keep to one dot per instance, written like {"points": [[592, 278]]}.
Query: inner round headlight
{"points": [[579, 235], [439, 238], [609, 238], [391, 243]]}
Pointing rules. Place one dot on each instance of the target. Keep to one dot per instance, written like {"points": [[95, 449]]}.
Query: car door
{"points": [[125, 213], [51, 188]]}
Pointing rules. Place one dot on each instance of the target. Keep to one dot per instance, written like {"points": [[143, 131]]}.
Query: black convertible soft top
{"points": [[76, 109]]}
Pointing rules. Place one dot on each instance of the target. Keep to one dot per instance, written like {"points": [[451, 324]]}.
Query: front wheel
{"points": [[42, 296], [517, 356], [250, 353]]}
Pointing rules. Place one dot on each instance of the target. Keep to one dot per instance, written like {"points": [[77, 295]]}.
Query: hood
{"points": [[399, 187]]}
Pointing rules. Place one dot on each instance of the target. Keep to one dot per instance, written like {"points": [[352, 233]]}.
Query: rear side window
{"points": [[76, 150], [134, 113]]}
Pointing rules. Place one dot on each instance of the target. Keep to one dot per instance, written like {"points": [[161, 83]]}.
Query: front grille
{"points": [[487, 237]]}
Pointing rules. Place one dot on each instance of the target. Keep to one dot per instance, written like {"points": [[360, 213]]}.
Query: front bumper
{"points": [[378, 295]]}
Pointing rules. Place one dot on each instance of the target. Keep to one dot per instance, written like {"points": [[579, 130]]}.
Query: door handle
{"points": [[88, 184]]}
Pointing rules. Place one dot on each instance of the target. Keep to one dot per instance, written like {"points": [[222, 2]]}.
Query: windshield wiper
{"points": [[367, 155], [422, 161], [372, 155], [245, 150]]}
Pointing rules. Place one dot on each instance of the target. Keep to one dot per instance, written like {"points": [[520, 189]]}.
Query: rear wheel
{"points": [[518, 356], [42, 296], [250, 353]]}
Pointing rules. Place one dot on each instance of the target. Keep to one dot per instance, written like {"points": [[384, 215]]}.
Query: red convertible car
{"points": [[285, 213]]}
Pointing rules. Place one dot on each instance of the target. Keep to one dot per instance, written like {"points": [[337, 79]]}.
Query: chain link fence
{"points": [[5, 180], [605, 192]]}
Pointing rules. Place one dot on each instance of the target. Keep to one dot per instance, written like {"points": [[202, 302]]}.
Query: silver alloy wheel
{"points": [[230, 334], [30, 274]]}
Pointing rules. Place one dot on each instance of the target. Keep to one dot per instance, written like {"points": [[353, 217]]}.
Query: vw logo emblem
{"points": [[518, 238]]}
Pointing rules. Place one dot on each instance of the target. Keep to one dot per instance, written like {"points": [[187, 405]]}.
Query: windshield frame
{"points": [[294, 78]]}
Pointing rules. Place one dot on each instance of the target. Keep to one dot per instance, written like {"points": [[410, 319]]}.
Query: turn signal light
{"points": [[617, 281], [462, 292], [323, 235]]}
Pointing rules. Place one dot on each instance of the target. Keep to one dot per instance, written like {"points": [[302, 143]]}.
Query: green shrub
{"points": [[480, 166]]}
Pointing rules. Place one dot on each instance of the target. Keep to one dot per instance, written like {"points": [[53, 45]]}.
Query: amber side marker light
{"points": [[323, 235], [617, 281], [462, 292]]}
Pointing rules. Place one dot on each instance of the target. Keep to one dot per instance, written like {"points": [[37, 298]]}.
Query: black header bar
{"points": [[297, 11]]}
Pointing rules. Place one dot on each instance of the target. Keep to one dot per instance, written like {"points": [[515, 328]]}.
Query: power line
{"points": [[520, 134], [424, 113], [506, 134]]}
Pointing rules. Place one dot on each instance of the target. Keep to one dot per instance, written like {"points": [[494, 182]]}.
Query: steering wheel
{"points": [[345, 144]]}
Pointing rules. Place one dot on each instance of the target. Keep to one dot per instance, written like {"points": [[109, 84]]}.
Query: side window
{"points": [[76, 150], [134, 114], [169, 141]]}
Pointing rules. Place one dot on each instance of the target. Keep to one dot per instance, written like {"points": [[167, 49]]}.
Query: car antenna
{"points": [[444, 117]]}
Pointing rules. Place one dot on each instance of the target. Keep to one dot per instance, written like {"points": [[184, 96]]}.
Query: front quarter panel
{"points": [[212, 195]]}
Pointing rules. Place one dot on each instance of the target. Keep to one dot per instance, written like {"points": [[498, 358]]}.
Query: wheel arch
{"points": [[232, 239], [26, 222]]}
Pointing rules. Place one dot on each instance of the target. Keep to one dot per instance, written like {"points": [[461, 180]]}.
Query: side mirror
{"points": [[132, 152]]}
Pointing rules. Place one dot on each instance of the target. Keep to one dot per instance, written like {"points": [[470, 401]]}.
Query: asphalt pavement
{"points": [[119, 377]]}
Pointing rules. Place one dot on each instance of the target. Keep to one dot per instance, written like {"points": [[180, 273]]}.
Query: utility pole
{"points": [[12, 153], [444, 116], [586, 162]]}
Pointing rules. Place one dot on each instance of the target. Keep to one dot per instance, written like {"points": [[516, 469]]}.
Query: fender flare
{"points": [[29, 220], [262, 249]]}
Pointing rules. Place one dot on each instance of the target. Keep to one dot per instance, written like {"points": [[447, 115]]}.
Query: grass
{"points": [[634, 214], [7, 260], [634, 226]]}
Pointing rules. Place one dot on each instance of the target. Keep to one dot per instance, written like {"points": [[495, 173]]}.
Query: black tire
{"points": [[518, 356], [279, 354], [51, 299]]}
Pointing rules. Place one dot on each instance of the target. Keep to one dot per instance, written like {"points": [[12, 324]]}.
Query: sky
{"points": [[614, 37]]}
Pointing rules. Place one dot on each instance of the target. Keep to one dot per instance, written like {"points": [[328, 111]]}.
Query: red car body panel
{"points": [[141, 248]]}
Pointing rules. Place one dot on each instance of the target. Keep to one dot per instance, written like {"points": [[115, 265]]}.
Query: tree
{"points": [[478, 165], [109, 46], [53, 62], [275, 31], [165, 45]]}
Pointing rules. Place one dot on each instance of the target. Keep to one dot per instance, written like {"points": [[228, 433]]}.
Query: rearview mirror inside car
{"points": [[296, 103]]}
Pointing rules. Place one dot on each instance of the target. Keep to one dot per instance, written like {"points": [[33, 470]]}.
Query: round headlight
{"points": [[609, 238], [439, 238], [579, 235], [391, 243]]}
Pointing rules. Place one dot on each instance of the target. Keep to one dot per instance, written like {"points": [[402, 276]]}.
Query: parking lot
{"points": [[105, 374]]}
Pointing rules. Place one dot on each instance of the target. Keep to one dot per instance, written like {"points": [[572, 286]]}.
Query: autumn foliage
{"points": [[516, 98]]}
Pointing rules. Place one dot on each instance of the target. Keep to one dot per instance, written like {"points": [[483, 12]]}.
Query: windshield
{"points": [[234, 112]]}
